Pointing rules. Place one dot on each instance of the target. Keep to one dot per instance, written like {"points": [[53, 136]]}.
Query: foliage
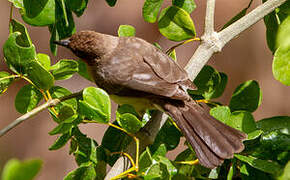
{"points": [[266, 153]]}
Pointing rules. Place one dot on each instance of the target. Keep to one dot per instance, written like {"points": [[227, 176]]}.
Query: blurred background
{"points": [[244, 58]]}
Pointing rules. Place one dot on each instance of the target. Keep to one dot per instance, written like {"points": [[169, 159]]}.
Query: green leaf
{"points": [[82, 147], [157, 45], [231, 172], [168, 135], [64, 20], [185, 170], [23, 39], [67, 114], [44, 60], [254, 134], [272, 22], [62, 128], [17, 3], [250, 173], [34, 7], [54, 37], [160, 151], [39, 75], [286, 173], [67, 118], [275, 141], [26, 170], [243, 121], [281, 123], [281, 65], [282, 37], [121, 141], [17, 56], [170, 167], [83, 70], [57, 92], [207, 82], [175, 24], [126, 31], [247, 96], [150, 10], [64, 69], [86, 172], [111, 2], [187, 5], [222, 113], [145, 160], [129, 122], [173, 55], [27, 99], [263, 165], [126, 108], [38, 13], [77, 6], [157, 171], [96, 105], [60, 142], [220, 88], [5, 80]]}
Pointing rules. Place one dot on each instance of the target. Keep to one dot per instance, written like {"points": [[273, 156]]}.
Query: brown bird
{"points": [[135, 72]]}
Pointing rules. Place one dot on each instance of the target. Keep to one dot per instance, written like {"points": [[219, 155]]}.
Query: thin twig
{"points": [[28, 115], [212, 42], [49, 103]]}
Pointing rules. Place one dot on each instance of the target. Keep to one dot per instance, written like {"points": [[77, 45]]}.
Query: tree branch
{"points": [[49, 103], [209, 17], [248, 20], [212, 42]]}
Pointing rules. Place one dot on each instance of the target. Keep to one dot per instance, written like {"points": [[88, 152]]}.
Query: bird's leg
{"points": [[135, 166]]}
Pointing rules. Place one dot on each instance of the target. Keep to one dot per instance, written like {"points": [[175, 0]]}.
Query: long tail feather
{"points": [[212, 140]]}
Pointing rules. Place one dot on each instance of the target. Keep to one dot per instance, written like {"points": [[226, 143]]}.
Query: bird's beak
{"points": [[64, 43]]}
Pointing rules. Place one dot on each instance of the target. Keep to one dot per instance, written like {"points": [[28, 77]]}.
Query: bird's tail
{"points": [[212, 140]]}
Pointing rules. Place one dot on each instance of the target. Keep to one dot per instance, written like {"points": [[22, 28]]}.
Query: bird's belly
{"points": [[140, 104]]}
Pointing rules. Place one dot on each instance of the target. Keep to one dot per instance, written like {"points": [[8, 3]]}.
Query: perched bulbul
{"points": [[135, 72]]}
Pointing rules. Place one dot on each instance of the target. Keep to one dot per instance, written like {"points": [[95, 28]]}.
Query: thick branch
{"points": [[216, 41], [248, 20], [212, 42], [209, 17], [49, 103]]}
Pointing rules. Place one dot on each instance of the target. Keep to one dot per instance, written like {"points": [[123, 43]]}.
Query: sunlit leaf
{"points": [[281, 65], [175, 24], [26, 170], [126, 31], [151, 9], [187, 5]]}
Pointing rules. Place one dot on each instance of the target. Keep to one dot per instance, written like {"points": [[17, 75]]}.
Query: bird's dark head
{"points": [[89, 45]]}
